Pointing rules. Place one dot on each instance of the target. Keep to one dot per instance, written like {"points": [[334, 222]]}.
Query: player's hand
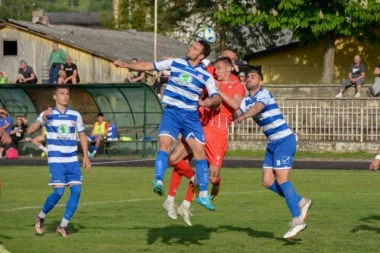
{"points": [[374, 166], [239, 119], [207, 102], [47, 113], [86, 163], [5, 138], [117, 63]]}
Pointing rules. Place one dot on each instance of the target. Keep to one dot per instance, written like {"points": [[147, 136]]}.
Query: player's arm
{"points": [[79, 126], [40, 122], [376, 162], [140, 66], [233, 102], [214, 99], [254, 110]]}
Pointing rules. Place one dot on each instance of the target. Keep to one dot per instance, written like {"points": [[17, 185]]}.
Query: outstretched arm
{"points": [[140, 66]]}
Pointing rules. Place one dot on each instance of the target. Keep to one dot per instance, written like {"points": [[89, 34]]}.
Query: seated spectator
{"points": [[374, 91], [18, 130], [356, 76], [68, 73], [56, 59], [26, 74], [135, 76], [6, 125], [242, 77], [99, 132], [162, 77], [3, 77]]}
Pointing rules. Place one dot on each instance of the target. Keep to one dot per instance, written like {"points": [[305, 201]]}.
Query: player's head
{"points": [[223, 68], [100, 117], [61, 95], [230, 53], [198, 51], [254, 80]]}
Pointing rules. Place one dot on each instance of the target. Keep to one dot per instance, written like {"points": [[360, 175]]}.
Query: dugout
{"points": [[134, 108]]}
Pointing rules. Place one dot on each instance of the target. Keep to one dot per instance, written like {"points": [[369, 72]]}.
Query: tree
{"points": [[16, 9], [311, 21]]}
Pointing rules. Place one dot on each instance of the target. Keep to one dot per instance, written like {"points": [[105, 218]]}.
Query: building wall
{"points": [[36, 50], [304, 64]]}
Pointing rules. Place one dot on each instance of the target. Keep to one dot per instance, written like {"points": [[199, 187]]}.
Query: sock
{"points": [[276, 189], [194, 180], [201, 169], [184, 168], [53, 199], [218, 180], [43, 148], [170, 198], [42, 215], [174, 183], [95, 150], [186, 203], [189, 193], [72, 202], [161, 164], [64, 223], [291, 198]]}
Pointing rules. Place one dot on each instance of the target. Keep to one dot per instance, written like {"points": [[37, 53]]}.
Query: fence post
{"points": [[233, 131], [361, 123], [297, 119]]}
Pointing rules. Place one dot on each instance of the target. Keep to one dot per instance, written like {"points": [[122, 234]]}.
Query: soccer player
{"points": [[374, 166], [281, 147], [99, 132], [61, 123], [188, 78], [215, 124]]}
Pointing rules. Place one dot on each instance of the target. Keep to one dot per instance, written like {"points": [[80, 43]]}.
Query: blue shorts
{"points": [[279, 154], [92, 138], [65, 173], [175, 121]]}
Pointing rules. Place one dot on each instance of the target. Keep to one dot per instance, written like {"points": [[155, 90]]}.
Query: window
{"points": [[9, 47]]}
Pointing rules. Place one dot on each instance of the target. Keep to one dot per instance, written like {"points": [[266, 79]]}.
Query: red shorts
{"points": [[216, 144]]}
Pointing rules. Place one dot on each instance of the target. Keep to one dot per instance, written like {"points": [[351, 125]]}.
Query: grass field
{"points": [[119, 213]]}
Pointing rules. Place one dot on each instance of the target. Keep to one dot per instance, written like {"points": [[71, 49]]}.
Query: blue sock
{"points": [[201, 170], [95, 148], [72, 202], [276, 188], [53, 199], [161, 164], [291, 198]]}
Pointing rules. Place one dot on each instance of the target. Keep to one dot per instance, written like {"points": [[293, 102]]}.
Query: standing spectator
{"points": [[56, 59], [3, 77], [18, 130], [135, 76], [374, 91], [70, 74], [242, 77], [26, 74], [6, 125], [356, 76]]}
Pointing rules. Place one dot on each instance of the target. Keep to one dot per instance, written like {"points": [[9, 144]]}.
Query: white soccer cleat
{"points": [[294, 230], [339, 95], [170, 209], [185, 213], [357, 95], [305, 208]]}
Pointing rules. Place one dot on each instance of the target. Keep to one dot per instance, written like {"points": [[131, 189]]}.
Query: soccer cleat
{"points": [[205, 202], [91, 155], [185, 213], [3, 250], [63, 231], [294, 230], [158, 188], [215, 192], [39, 225], [357, 95], [170, 209], [196, 192], [339, 95], [305, 208]]}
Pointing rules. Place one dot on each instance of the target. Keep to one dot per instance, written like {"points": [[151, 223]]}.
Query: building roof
{"points": [[109, 44], [87, 19], [272, 50]]}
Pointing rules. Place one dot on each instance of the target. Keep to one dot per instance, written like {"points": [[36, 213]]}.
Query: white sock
{"points": [[203, 194], [194, 180], [159, 182], [94, 152], [298, 220], [302, 202], [170, 198], [64, 223], [186, 203], [43, 148], [42, 215]]}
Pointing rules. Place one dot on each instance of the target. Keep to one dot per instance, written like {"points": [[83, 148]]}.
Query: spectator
{"points": [[6, 125], [356, 76], [99, 132], [374, 91], [135, 76], [56, 59], [242, 77], [162, 77], [26, 74], [3, 77], [18, 130], [68, 73]]}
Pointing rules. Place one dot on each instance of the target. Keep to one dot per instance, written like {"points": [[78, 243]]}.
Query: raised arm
{"points": [[140, 66]]}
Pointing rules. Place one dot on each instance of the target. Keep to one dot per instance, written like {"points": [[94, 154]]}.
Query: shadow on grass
{"points": [[5, 236], [371, 218], [365, 227], [72, 227], [178, 234]]}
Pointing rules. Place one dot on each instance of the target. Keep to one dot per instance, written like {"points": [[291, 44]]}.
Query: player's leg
{"points": [[92, 140], [74, 179], [58, 181], [184, 209], [37, 141], [98, 139]]}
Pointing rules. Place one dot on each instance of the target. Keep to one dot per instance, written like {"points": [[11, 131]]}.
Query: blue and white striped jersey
{"points": [[185, 84], [270, 119], [61, 139]]}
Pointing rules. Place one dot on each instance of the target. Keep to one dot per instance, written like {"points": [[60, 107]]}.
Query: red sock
{"points": [[190, 192], [185, 169], [218, 180], [174, 182]]}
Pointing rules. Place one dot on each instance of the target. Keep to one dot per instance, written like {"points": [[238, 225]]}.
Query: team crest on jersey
{"points": [[63, 130], [185, 78], [200, 76]]}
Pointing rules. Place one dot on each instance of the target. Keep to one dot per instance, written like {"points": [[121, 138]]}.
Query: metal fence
{"points": [[320, 122]]}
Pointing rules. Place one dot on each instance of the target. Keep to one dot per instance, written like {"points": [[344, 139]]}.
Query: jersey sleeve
{"points": [[243, 105], [163, 65], [79, 124], [40, 116], [211, 87], [263, 97]]}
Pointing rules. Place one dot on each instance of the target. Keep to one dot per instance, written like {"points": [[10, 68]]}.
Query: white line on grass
{"points": [[125, 161]]}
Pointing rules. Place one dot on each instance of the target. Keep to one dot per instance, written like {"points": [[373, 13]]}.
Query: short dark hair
{"points": [[257, 72], [225, 60], [100, 114], [229, 49], [134, 59], [206, 48], [58, 87]]}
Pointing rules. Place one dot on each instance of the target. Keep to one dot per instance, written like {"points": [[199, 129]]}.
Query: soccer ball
{"points": [[206, 34]]}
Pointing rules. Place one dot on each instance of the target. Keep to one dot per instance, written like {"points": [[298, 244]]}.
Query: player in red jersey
{"points": [[215, 124]]}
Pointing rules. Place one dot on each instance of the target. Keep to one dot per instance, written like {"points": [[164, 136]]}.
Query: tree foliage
{"points": [[16, 9]]}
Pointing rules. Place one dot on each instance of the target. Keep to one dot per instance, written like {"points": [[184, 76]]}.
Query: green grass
{"points": [[119, 213], [361, 155]]}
